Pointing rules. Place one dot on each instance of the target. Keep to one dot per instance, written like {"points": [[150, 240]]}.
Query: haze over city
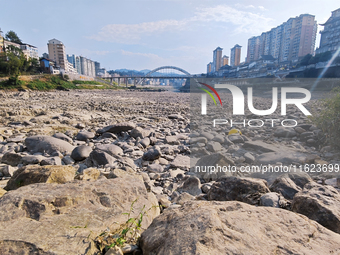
{"points": [[147, 34]]}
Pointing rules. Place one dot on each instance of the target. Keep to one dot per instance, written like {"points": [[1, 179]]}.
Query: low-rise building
{"points": [[70, 68], [29, 51], [45, 64]]}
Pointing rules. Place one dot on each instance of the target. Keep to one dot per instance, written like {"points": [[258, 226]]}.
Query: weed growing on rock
{"points": [[129, 232]]}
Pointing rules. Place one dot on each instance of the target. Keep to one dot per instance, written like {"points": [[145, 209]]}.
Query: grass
{"points": [[52, 82], [327, 118], [129, 232]]}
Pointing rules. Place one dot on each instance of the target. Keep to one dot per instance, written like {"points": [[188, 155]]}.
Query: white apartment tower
{"points": [[56, 52]]}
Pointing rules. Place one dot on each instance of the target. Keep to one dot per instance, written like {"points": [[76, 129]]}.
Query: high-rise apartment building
{"points": [[75, 61], [287, 42], [253, 48], [217, 59], [97, 67], [87, 67], [209, 67], [56, 52], [330, 35], [225, 60], [235, 55]]}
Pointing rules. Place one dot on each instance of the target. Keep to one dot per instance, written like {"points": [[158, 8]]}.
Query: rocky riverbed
{"points": [[74, 162]]}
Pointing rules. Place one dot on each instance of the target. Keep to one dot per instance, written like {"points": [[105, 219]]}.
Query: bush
{"points": [[327, 118], [14, 81], [66, 77]]}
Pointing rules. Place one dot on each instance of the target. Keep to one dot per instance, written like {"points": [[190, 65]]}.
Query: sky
{"points": [[146, 34]]}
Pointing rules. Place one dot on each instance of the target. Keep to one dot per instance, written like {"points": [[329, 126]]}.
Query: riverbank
{"points": [[74, 163]]}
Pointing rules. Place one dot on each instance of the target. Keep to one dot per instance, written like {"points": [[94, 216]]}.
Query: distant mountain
{"points": [[145, 71]]}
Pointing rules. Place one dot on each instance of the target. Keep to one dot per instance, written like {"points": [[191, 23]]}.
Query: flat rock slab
{"points": [[65, 218], [47, 144], [248, 190], [284, 157], [260, 146], [203, 227], [201, 168], [181, 161], [116, 128], [39, 174]]}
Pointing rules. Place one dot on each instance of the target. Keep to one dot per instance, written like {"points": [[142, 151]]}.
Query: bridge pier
{"points": [[134, 82], [118, 81], [126, 82]]}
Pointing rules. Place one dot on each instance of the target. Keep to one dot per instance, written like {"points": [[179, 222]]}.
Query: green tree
{"points": [[326, 56], [305, 60], [13, 60], [33, 65], [12, 37]]}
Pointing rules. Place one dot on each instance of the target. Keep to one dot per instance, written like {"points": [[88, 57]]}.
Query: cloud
{"points": [[262, 8], [132, 33], [241, 21], [244, 22], [238, 5], [146, 55], [101, 52]]}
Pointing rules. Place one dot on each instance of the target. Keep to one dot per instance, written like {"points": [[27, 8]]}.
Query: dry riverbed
{"points": [[73, 162]]}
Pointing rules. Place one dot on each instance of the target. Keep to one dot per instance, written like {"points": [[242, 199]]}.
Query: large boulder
{"points": [[47, 144], [100, 158], [204, 227], [152, 154], [65, 218], [248, 190], [140, 132], [207, 167], [319, 203], [111, 149], [85, 135], [11, 158], [286, 132], [117, 128], [181, 161], [38, 174], [63, 137], [289, 184], [81, 152]]}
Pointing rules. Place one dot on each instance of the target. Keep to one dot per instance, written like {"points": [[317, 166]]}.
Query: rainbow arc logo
{"points": [[209, 93]]}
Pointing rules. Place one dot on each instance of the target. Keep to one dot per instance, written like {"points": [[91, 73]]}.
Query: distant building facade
{"points": [[235, 55], [253, 49], [217, 59], [87, 67], [75, 61], [289, 41], [225, 60], [209, 67], [29, 51], [97, 67], [56, 52], [330, 35]]}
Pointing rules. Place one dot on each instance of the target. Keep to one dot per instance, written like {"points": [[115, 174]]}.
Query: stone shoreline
{"points": [[72, 162]]}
